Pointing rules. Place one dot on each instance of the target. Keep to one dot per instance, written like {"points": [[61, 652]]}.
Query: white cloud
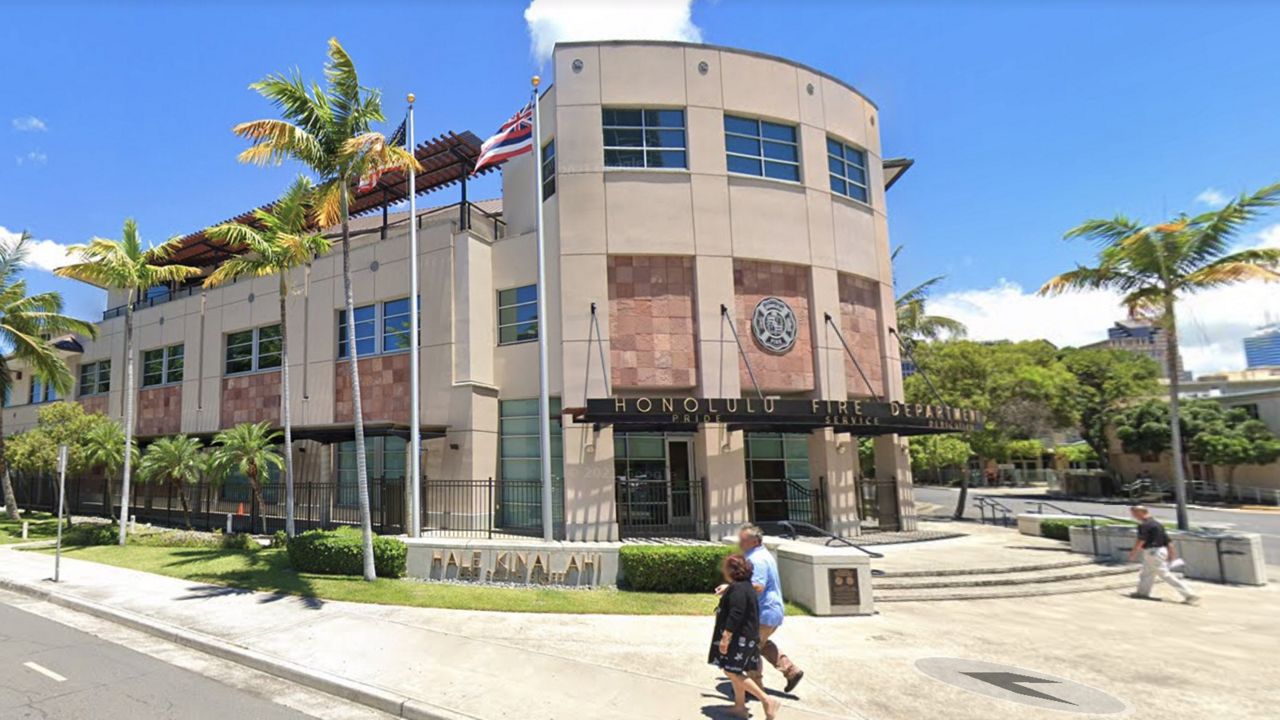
{"points": [[29, 123], [35, 157], [552, 21], [1211, 324], [1213, 197], [46, 255]]}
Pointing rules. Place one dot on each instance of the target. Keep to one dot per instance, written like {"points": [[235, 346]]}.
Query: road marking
{"points": [[1014, 684], [45, 671]]}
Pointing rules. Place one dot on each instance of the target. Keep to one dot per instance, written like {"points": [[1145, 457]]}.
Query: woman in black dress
{"points": [[735, 644]]}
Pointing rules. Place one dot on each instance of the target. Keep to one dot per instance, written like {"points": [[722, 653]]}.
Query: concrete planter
{"points": [[1235, 558], [826, 580], [1029, 523], [1083, 540]]}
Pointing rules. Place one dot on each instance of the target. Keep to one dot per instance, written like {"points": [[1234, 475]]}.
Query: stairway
{"points": [[1036, 579]]}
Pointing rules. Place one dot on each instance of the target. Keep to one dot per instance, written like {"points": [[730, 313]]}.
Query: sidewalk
{"points": [[1209, 661]]}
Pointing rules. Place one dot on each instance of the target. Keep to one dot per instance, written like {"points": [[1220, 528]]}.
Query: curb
{"points": [[368, 695]]}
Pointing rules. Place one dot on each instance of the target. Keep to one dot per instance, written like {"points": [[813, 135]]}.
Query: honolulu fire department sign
{"points": [[863, 417], [774, 325]]}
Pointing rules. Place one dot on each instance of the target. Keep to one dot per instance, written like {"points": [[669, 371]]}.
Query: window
{"points": [[41, 391], [758, 147], [256, 349], [644, 138], [379, 328], [520, 462], [162, 366], [549, 169], [95, 378], [778, 470], [385, 458], [518, 314], [848, 166]]}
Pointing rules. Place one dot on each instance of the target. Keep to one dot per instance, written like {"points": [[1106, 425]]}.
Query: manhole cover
{"points": [[1029, 687]]}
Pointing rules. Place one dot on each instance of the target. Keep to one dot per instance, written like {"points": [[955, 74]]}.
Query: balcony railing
{"points": [[153, 300]]}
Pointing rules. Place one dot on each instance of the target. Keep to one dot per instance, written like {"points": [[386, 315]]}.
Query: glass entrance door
{"points": [[778, 474], [679, 476]]}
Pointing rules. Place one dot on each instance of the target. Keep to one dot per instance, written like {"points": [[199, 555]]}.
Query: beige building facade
{"points": [[716, 228]]}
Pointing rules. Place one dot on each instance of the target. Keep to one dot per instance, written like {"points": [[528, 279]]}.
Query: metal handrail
{"points": [[793, 533], [983, 503]]}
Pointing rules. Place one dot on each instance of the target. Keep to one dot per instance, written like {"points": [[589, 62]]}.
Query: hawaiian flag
{"points": [[515, 137]]}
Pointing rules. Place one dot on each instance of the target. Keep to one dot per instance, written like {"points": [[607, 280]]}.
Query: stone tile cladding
{"points": [[94, 403], [160, 410], [651, 322], [753, 281], [251, 398], [860, 323], [384, 388]]}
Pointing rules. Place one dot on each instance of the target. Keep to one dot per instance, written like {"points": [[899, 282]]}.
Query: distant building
{"points": [[1262, 349], [1144, 338]]}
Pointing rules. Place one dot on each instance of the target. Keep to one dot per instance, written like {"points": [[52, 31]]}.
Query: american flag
{"points": [[369, 180], [515, 137]]}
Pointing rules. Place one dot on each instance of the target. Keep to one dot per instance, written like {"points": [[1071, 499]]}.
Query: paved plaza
{"points": [[1008, 658]]}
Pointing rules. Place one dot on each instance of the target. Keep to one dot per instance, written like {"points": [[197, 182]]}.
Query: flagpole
{"points": [[415, 423], [544, 399]]}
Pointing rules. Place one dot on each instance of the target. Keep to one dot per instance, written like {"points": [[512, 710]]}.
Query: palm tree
{"points": [[125, 265], [250, 449], [103, 447], [327, 130], [27, 322], [282, 241], [914, 324], [1153, 266], [179, 461]]}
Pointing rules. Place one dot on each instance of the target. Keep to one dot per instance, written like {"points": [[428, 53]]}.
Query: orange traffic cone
{"points": [[240, 509]]}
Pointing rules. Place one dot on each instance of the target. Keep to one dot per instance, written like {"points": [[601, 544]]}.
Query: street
{"points": [[1264, 523], [53, 672]]}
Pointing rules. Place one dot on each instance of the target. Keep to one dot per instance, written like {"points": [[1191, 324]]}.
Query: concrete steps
{"points": [[1013, 581]]}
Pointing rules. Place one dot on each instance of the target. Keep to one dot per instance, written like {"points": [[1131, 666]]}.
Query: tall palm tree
{"points": [[327, 130], [914, 324], [177, 461], [250, 449], [125, 265], [27, 322], [282, 242], [1153, 266], [104, 449]]}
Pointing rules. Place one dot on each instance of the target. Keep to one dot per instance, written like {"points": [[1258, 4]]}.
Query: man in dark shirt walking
{"points": [[1157, 553]]}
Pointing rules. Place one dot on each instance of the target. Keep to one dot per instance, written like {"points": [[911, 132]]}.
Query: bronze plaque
{"points": [[843, 583]]}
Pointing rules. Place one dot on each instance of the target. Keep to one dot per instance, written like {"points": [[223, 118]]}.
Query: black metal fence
{"points": [[658, 508], [875, 497], [482, 508], [807, 503]]}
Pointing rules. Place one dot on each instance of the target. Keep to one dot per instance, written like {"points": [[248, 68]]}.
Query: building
{"points": [[719, 311], [1144, 338], [1262, 349]]}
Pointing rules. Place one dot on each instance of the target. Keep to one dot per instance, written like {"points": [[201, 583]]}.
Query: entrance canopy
{"points": [[860, 417]]}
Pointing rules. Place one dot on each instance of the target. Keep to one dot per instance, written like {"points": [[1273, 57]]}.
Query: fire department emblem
{"points": [[774, 325]]}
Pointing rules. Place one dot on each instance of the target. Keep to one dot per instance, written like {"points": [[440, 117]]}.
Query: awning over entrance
{"points": [[860, 417]]}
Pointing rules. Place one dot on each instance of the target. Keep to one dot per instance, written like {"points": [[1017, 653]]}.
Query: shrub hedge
{"points": [[1060, 528], [672, 569], [91, 534], [338, 552]]}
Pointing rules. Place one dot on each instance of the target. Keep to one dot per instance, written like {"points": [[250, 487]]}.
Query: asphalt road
{"points": [[52, 672], [1264, 523]]}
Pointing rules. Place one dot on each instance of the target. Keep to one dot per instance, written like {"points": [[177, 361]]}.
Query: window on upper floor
{"points": [[518, 314], [95, 378], [638, 138], [42, 391], [549, 169], [848, 166], [162, 365], [253, 350], [380, 328], [761, 148]]}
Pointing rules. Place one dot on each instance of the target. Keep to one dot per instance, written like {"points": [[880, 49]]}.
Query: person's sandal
{"points": [[793, 681]]}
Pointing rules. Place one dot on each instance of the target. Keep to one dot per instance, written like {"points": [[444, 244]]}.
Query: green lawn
{"points": [[43, 526], [268, 570]]}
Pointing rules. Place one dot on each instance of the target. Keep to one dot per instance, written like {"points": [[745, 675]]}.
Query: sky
{"points": [[1024, 119]]}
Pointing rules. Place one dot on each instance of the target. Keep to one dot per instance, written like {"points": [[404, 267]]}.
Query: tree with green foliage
{"points": [[914, 324], [27, 325], [249, 449], [935, 452], [1155, 266], [327, 129], [125, 265], [1235, 439], [103, 446], [1022, 390], [1077, 454], [282, 241], [1107, 380], [35, 451], [179, 462]]}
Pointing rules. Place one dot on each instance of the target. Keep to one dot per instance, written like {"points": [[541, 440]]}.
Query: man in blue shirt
{"points": [[772, 611]]}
